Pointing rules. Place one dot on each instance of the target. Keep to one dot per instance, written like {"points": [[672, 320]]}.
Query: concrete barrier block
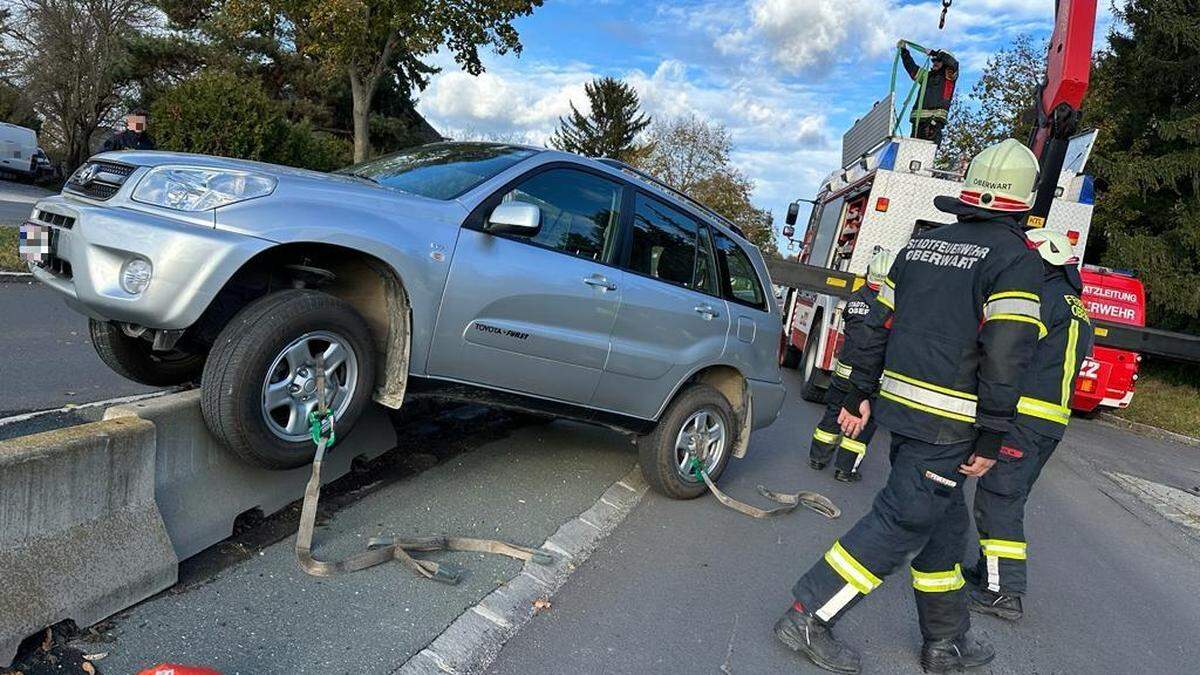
{"points": [[201, 487], [80, 535]]}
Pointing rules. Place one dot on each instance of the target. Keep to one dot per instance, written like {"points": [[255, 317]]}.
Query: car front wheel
{"points": [[260, 381], [700, 423]]}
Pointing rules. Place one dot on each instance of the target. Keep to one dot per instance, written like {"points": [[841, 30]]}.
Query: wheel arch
{"points": [[371, 286]]}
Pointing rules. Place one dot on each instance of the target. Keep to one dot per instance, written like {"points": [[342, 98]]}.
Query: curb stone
{"points": [[1147, 429], [473, 640]]}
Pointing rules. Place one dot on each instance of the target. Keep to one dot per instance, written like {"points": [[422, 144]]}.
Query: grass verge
{"points": [[10, 261], [1167, 397]]}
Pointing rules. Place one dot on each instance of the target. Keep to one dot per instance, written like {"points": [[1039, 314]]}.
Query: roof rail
{"points": [[622, 166]]}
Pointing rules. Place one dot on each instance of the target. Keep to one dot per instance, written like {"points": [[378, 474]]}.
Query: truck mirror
{"points": [[789, 231], [793, 212]]}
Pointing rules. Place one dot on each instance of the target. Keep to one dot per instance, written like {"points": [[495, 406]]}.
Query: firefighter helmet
{"points": [[1002, 177], [877, 269], [1054, 247]]}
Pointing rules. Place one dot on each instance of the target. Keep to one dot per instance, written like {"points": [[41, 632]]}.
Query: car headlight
{"points": [[200, 189]]}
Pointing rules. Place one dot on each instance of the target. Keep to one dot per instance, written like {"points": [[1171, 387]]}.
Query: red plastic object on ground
{"points": [[176, 669], [1108, 377]]}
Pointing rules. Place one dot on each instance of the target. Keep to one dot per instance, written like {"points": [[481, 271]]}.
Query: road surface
{"points": [[16, 200], [689, 587], [679, 587], [48, 360]]}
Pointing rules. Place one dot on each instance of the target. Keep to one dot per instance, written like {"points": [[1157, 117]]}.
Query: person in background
{"points": [[1043, 412], [929, 118], [134, 137], [827, 436]]}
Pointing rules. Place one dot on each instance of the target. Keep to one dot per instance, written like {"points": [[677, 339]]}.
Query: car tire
{"points": [[270, 346], [811, 390], [133, 358], [659, 451]]}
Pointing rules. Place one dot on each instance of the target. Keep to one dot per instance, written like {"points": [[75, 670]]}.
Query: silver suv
{"points": [[517, 276]]}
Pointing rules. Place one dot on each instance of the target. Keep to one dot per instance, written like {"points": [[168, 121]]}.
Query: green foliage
{"points": [[999, 106], [220, 113], [693, 156], [1145, 101], [611, 126]]}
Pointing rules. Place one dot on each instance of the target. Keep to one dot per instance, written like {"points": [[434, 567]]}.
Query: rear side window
{"points": [[580, 212], [669, 245], [740, 280]]}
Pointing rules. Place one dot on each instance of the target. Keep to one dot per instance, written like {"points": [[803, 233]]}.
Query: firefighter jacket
{"points": [[951, 334], [1044, 406], [939, 84], [858, 307]]}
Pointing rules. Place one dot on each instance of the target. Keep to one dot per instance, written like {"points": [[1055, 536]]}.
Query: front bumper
{"points": [[190, 262]]}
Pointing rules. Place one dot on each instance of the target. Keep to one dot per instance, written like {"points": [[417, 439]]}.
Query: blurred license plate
{"points": [[35, 246]]}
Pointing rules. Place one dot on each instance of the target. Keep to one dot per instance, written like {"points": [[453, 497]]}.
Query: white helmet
{"points": [[1002, 177], [1054, 247], [880, 265]]}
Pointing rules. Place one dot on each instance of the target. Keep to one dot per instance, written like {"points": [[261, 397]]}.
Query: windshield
{"points": [[440, 170]]}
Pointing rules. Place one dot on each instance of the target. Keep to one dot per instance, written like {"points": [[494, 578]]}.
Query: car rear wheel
{"points": [[133, 358], [699, 421], [260, 381]]}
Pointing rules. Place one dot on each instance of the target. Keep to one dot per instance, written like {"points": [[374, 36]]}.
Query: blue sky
{"points": [[786, 77]]}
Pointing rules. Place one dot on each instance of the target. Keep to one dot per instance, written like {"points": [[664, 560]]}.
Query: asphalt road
{"points": [[46, 358], [16, 200], [690, 587]]}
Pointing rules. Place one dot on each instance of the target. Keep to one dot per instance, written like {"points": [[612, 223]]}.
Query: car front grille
{"points": [[57, 219], [99, 179]]}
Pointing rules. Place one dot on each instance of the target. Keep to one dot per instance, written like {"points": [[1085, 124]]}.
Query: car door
{"points": [[534, 314], [672, 319]]}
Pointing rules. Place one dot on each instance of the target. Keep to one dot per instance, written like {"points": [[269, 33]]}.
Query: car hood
{"points": [[157, 158]]}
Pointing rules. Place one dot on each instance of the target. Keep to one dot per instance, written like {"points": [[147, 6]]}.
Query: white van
{"points": [[18, 146]]}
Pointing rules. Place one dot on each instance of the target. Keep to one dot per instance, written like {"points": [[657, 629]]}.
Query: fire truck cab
{"points": [[877, 200]]}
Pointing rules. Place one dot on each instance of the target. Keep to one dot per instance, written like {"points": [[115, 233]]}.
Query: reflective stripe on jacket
{"points": [[1046, 390], [953, 331]]}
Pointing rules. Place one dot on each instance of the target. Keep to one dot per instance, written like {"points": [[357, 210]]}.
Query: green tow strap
{"points": [[918, 85]]}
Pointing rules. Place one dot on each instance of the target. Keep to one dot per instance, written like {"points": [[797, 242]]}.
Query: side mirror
{"points": [[518, 218], [793, 213], [789, 231]]}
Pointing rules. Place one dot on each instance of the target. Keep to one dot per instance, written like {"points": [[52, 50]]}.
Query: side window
{"points": [[663, 242], [580, 212], [741, 280]]}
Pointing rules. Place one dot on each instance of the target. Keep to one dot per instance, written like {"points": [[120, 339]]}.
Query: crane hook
{"points": [[945, 8]]}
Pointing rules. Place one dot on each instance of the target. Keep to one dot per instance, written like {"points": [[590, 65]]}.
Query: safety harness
{"points": [[382, 549]]}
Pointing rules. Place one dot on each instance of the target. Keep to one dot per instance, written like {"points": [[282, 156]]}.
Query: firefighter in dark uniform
{"points": [[827, 436], [134, 137], [929, 118], [947, 342], [1043, 412]]}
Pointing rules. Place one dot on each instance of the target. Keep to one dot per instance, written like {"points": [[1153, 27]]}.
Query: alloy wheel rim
{"points": [[703, 436], [290, 386]]}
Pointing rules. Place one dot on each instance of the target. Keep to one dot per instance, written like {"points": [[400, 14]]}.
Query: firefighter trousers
{"points": [[827, 437], [920, 511], [1000, 498]]}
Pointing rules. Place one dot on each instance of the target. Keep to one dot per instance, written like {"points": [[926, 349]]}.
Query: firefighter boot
{"points": [[1002, 605], [946, 654], [803, 633], [847, 476]]}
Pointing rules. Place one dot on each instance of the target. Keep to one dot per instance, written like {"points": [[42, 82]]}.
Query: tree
{"points": [[368, 41], [68, 55], [693, 156], [1000, 104], [611, 126], [1145, 101]]}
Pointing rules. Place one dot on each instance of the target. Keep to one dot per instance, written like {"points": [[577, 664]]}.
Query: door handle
{"points": [[707, 312], [598, 281]]}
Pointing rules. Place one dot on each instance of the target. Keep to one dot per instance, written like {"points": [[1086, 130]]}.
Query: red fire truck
{"points": [[1108, 377]]}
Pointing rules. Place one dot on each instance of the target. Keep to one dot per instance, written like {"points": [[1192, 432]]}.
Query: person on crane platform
{"points": [[1043, 412], [827, 436], [929, 116], [947, 342]]}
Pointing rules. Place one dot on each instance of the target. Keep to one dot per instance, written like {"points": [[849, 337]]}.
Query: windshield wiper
{"points": [[362, 177]]}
